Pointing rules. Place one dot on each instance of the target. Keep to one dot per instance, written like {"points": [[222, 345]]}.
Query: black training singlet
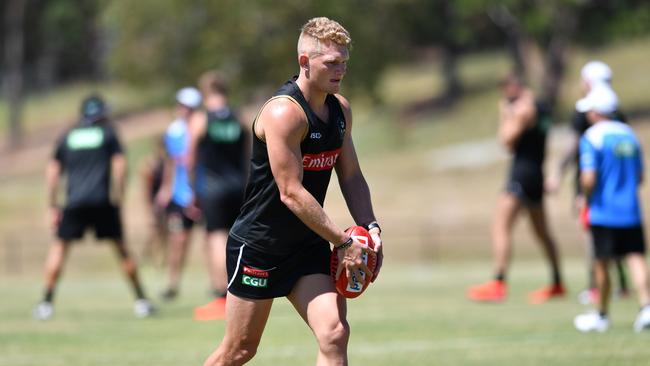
{"points": [[265, 223], [221, 153], [85, 153], [531, 145]]}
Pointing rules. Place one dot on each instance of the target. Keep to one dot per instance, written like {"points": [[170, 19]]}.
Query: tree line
{"points": [[168, 42]]}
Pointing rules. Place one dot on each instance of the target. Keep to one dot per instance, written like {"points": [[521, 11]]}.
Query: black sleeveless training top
{"points": [[265, 223], [531, 146], [221, 151]]}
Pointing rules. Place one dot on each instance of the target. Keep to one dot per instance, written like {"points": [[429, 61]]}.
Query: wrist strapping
{"points": [[346, 244]]}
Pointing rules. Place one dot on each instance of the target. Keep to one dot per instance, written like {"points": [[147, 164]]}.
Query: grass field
{"points": [[436, 223], [414, 315]]}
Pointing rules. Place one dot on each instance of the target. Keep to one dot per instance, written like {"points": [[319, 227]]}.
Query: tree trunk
{"points": [[14, 55], [453, 88], [564, 26], [517, 40]]}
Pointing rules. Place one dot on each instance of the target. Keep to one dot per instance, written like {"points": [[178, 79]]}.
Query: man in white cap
{"points": [[175, 194], [594, 74], [611, 170]]}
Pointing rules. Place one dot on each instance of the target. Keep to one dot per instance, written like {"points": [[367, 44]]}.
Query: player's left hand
{"points": [[375, 234], [193, 211]]}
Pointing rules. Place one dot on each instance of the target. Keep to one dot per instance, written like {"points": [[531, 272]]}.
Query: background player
{"points": [[151, 176], [218, 151], [91, 156], [279, 244], [611, 170], [176, 194], [594, 73], [523, 128]]}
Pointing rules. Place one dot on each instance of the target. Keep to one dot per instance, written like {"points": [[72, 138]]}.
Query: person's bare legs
{"points": [[215, 253], [540, 228], [245, 322], [507, 208], [324, 310], [129, 267], [56, 257], [602, 281], [639, 270], [216, 259], [178, 246]]}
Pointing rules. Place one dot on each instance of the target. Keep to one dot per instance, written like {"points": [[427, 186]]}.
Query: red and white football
{"points": [[360, 234]]}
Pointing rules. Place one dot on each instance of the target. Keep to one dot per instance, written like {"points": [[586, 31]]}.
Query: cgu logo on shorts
{"points": [[255, 277], [320, 161]]}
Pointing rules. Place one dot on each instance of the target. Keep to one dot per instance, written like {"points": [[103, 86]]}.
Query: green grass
{"points": [[414, 315]]}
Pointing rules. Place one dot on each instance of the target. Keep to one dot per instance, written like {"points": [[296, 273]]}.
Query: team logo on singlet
{"points": [[320, 161], [224, 131], [341, 127], [85, 138], [255, 277]]}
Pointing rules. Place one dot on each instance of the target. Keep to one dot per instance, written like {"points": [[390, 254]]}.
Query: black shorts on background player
{"points": [[611, 243], [104, 220], [177, 217], [220, 207], [257, 275], [526, 182]]}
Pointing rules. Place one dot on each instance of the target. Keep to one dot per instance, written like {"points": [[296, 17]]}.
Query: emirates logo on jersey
{"points": [[320, 161]]}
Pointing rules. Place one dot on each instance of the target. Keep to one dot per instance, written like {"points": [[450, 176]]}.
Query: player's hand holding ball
{"points": [[353, 263]]}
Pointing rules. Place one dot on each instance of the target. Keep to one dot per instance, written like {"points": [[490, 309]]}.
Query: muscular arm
{"points": [[355, 188], [197, 127], [515, 118], [283, 126], [52, 174], [351, 180], [119, 170], [567, 158], [588, 181]]}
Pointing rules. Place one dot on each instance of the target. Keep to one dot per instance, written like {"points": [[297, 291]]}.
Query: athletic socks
{"points": [[49, 295]]}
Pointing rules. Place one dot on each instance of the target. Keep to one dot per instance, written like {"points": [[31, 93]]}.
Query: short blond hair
{"points": [[322, 29]]}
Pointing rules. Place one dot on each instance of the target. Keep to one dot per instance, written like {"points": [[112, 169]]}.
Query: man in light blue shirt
{"points": [[176, 193], [611, 170]]}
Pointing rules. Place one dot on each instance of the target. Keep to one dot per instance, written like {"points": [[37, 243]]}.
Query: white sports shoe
{"points": [[43, 311], [642, 320], [142, 308], [591, 322]]}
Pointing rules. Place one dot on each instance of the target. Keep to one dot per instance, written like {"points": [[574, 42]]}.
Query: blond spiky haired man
{"points": [[279, 245]]}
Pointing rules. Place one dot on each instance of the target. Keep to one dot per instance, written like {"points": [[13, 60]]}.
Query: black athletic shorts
{"points": [[105, 220], [257, 275], [609, 242], [177, 218], [220, 208], [526, 183]]}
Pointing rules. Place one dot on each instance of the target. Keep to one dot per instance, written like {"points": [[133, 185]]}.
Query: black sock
{"points": [[557, 280], [602, 314], [139, 294], [500, 277], [49, 295]]}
